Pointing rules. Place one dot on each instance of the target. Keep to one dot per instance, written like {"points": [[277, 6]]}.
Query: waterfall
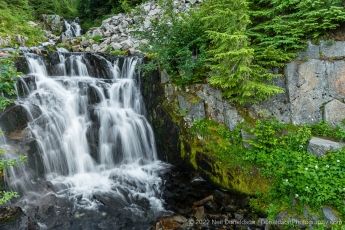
{"points": [[73, 29], [76, 108]]}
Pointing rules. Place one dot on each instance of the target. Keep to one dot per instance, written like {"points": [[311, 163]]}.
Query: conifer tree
{"points": [[232, 58]]}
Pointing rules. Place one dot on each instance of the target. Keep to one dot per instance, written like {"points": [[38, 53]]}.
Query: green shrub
{"points": [[97, 38], [280, 151], [5, 164], [178, 43], [8, 78]]}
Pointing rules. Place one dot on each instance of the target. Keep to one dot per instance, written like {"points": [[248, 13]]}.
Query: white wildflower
{"points": [[306, 169], [296, 195], [338, 161], [327, 166], [316, 166]]}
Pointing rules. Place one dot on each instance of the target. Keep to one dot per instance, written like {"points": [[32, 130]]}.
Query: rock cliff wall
{"points": [[314, 86]]}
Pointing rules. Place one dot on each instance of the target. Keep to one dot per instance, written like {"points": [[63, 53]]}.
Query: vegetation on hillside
{"points": [[298, 179], [239, 43], [92, 12], [14, 17]]}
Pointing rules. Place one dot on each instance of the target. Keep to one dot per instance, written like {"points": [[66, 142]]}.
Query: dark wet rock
{"points": [[92, 135], [16, 117], [179, 194], [25, 84], [230, 208], [243, 202], [238, 216], [93, 95], [22, 65], [34, 159], [13, 218]]}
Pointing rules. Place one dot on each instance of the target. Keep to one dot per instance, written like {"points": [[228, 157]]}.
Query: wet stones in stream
{"points": [[198, 204]]}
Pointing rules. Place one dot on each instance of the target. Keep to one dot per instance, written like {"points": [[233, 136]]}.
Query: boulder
{"points": [[319, 147], [328, 215], [52, 22], [97, 32], [21, 39], [332, 48], [95, 47], [116, 46], [164, 76], [126, 44], [334, 112], [15, 118], [12, 217]]}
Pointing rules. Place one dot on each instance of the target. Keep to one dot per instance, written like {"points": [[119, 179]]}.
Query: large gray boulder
{"points": [[307, 85], [319, 147], [334, 112], [52, 22]]}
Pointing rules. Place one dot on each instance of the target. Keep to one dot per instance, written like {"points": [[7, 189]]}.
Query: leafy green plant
{"points": [[200, 127], [8, 78], [118, 52], [97, 38], [5, 164], [176, 42], [280, 151], [283, 26], [323, 129], [14, 20]]}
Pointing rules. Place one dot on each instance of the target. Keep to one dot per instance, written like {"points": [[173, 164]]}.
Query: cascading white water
{"points": [[126, 168], [73, 29]]}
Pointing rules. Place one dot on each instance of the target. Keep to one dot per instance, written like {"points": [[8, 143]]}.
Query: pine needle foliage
{"points": [[283, 26], [239, 43], [232, 58]]}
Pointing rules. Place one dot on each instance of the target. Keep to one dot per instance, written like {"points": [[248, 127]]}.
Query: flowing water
{"points": [[73, 29], [94, 140]]}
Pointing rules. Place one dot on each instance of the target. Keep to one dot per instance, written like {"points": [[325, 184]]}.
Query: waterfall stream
{"points": [[73, 29], [93, 138]]}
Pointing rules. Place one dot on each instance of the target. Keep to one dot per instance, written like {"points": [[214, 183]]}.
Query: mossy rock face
{"points": [[176, 144], [13, 217]]}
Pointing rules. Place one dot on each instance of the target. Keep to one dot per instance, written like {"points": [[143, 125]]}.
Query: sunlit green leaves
{"points": [[281, 153]]}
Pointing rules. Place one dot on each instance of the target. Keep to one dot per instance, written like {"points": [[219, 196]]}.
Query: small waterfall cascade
{"points": [[73, 29], [93, 138]]}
